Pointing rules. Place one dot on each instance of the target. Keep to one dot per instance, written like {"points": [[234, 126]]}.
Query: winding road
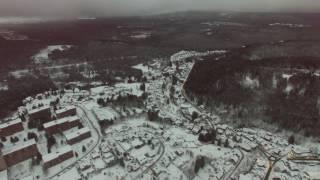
{"points": [[156, 161], [228, 175]]}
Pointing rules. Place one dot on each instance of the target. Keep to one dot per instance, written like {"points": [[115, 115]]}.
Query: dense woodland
{"points": [[21, 88], [284, 91]]}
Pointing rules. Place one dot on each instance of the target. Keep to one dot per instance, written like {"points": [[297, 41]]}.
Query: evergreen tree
{"points": [[291, 139], [194, 115], [226, 143]]}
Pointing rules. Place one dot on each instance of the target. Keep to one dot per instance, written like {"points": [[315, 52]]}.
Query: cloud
{"points": [[140, 7]]}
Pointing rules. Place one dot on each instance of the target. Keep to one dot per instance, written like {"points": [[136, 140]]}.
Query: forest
{"points": [[284, 91], [21, 88]]}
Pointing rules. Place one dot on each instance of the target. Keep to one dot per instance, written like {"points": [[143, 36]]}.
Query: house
{"points": [[20, 152], [137, 143], [40, 115], [62, 154], [245, 146], [77, 136], [60, 125], [11, 127], [110, 161], [132, 166], [196, 130], [95, 155], [165, 161], [142, 160], [179, 152], [66, 111], [84, 164], [106, 116], [157, 170], [104, 147]]}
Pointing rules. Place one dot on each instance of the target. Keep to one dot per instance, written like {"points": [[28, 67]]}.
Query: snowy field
{"points": [[43, 55]]}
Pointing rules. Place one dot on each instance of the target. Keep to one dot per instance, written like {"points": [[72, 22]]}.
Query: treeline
{"points": [[16, 54], [249, 89], [20, 88], [300, 108]]}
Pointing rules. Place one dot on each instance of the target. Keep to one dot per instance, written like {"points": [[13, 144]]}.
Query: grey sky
{"points": [[140, 7]]}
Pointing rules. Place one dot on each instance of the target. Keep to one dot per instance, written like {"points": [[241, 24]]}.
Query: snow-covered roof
{"points": [[105, 114], [67, 108], [61, 121], [10, 123], [84, 163], [141, 67], [245, 146], [136, 142], [61, 151], [75, 134], [109, 159], [133, 88], [32, 111], [95, 154], [19, 147]]}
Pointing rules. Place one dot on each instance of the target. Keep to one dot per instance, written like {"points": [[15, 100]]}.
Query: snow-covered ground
{"points": [[43, 55], [19, 73], [141, 35], [223, 23], [290, 25], [168, 147], [141, 67], [11, 35], [3, 86], [21, 20], [35, 20]]}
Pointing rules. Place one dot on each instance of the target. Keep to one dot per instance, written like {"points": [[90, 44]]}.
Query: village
{"points": [[142, 130]]}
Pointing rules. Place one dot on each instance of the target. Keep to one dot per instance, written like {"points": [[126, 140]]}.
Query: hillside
{"points": [[284, 91]]}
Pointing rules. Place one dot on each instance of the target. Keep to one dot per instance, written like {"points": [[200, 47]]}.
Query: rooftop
{"points": [[32, 111], [18, 147], [77, 133], [60, 121], [67, 108], [10, 123], [54, 155]]}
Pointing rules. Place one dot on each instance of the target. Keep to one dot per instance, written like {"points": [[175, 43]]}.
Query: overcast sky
{"points": [[141, 7]]}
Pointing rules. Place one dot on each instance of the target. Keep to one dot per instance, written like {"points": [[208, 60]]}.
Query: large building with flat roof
{"points": [[66, 111], [77, 136], [11, 127], [55, 158], [20, 152], [60, 125], [39, 115]]}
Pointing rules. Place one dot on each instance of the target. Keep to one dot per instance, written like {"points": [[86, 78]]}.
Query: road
{"points": [[228, 175], [271, 165], [88, 152], [156, 161]]}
